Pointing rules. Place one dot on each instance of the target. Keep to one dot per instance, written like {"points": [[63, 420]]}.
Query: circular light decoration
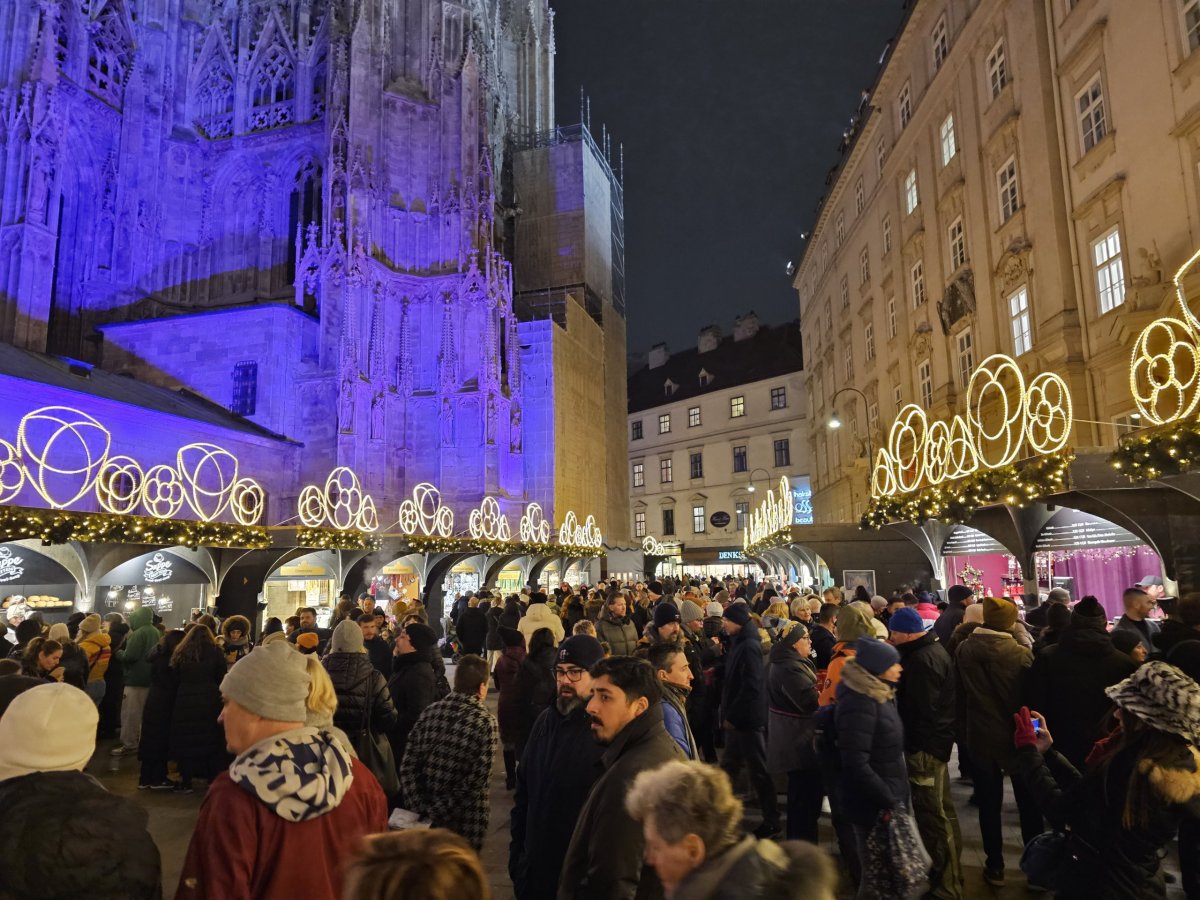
{"points": [[883, 479], [247, 500], [1048, 413], [62, 450], [534, 528], [488, 523], [936, 455], [905, 446], [119, 485], [772, 514], [961, 459], [996, 410], [1164, 374], [341, 503], [424, 512], [162, 492], [208, 474], [652, 546], [12, 473]]}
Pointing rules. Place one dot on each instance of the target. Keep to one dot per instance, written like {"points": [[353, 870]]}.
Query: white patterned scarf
{"points": [[300, 774]]}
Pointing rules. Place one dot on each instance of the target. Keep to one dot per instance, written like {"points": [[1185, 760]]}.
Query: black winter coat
{"points": [[870, 741], [511, 617], [1172, 632], [412, 689], [925, 697], [197, 738], [951, 618], [472, 630], [823, 643], [63, 837], [744, 688], [379, 652], [604, 860], [160, 705], [792, 699], [1126, 863], [359, 686], [560, 764], [75, 665], [535, 689], [493, 641], [1066, 684]]}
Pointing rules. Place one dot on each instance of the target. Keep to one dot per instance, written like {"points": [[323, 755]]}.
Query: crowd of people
{"points": [[646, 732]]}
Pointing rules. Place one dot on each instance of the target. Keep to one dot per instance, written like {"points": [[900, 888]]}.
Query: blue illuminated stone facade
{"points": [[291, 207]]}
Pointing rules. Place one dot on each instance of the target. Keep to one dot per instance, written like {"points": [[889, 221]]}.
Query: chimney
{"points": [[745, 326], [710, 337], [659, 354]]}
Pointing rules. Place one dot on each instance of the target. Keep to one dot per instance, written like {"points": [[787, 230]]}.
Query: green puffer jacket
{"points": [[134, 655]]}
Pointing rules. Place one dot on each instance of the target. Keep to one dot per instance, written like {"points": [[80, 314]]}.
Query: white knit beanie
{"points": [[48, 728]]}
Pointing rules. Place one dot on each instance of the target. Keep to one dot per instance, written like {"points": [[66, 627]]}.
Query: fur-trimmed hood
{"points": [[859, 680], [1175, 784]]}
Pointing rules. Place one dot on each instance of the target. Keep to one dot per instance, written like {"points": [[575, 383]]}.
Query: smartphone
{"points": [[1037, 726]]}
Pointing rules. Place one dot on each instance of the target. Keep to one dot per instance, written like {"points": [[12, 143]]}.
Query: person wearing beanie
{"points": [[744, 712], [293, 788], [958, 598], [615, 627], [26, 631], [1058, 619], [365, 712], [872, 780], [791, 703], [1142, 782], [991, 666], [851, 623], [414, 682], [97, 647], [539, 615], [47, 736], [1068, 680], [308, 642], [1038, 617], [134, 658], [925, 700], [508, 710], [972, 619], [1127, 643]]}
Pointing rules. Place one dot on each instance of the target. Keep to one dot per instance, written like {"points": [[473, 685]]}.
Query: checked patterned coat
{"points": [[447, 765]]}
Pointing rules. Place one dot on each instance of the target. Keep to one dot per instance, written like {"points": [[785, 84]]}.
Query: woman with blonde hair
{"points": [[417, 864]]}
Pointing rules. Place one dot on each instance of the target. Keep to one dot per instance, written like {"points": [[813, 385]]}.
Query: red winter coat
{"points": [[242, 850], [928, 612], [508, 711]]}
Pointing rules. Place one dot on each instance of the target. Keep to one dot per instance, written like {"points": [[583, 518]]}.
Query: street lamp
{"points": [[750, 487], [836, 423]]}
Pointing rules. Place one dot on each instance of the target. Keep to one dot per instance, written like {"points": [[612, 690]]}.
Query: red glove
{"points": [[1023, 733]]}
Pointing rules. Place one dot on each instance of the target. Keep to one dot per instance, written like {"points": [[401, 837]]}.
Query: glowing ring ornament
{"points": [[208, 473], [1164, 373], [62, 450], [905, 446], [1048, 413], [162, 492], [248, 501], [997, 439], [652, 546], [12, 473], [534, 528], [585, 535], [488, 523], [961, 459], [119, 485], [341, 503], [425, 512], [936, 452], [883, 479]]}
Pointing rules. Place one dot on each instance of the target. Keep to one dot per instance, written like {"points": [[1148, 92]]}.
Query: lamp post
{"points": [[836, 423], [750, 487]]}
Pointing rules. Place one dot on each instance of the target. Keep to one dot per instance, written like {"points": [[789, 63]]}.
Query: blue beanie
{"points": [[874, 655], [906, 620]]}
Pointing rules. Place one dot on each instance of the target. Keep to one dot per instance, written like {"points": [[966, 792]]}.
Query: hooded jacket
{"points": [[792, 699], [852, 623], [98, 647], [991, 669], [604, 859], [134, 655], [621, 635], [1066, 684], [925, 697], [870, 740], [281, 821], [233, 650], [539, 615]]}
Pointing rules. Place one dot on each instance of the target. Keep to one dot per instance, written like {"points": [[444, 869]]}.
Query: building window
{"points": [[958, 245], [949, 142], [693, 417], [668, 522], [245, 389], [739, 458], [1018, 316], [869, 340], [966, 358], [698, 520], [881, 150], [859, 196], [1127, 424], [635, 430], [891, 316], [639, 524], [849, 367], [897, 397], [664, 471], [844, 292], [925, 384], [864, 266], [940, 40], [917, 280], [1006, 186], [1110, 271], [737, 407], [705, 379], [997, 69], [1190, 10], [779, 398], [741, 510], [1092, 125], [873, 417], [839, 229], [910, 192], [639, 474], [887, 231], [904, 104], [783, 453], [664, 423], [696, 463]]}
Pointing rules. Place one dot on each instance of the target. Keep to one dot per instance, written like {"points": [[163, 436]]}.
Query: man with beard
{"points": [[560, 764], [604, 860]]}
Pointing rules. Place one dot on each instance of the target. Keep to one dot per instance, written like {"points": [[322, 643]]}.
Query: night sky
{"points": [[731, 112]]}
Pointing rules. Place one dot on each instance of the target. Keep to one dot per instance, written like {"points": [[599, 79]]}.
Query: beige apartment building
{"points": [[1024, 179]]}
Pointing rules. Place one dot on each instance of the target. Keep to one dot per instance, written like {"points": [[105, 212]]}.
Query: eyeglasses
{"points": [[572, 675]]}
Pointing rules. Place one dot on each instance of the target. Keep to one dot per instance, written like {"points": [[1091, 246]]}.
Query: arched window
{"points": [[272, 88], [304, 209], [109, 57], [214, 100]]}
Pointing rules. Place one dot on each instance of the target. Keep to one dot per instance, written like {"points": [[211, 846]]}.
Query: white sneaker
{"points": [[122, 750]]}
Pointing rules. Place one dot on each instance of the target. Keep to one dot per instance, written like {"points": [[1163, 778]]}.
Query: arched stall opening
{"points": [[164, 581], [35, 583], [311, 580], [399, 579]]}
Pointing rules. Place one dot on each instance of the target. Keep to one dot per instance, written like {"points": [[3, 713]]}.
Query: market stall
{"points": [[309, 580], [37, 582], [463, 577], [161, 580], [398, 580]]}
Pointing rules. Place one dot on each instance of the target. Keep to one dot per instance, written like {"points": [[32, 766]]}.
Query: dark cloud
{"points": [[730, 112]]}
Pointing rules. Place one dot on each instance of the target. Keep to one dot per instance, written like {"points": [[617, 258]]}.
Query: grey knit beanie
{"points": [[272, 681], [347, 638]]}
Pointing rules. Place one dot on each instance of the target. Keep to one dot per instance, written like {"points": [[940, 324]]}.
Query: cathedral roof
{"points": [[69, 374]]}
